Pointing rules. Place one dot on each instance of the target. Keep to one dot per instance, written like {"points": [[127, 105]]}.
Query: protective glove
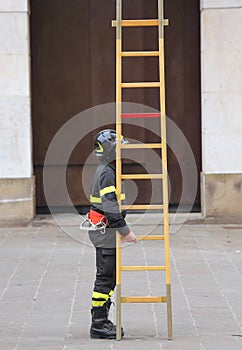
{"points": [[130, 238]]}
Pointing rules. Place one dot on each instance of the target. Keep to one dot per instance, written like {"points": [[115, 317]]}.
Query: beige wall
{"points": [[221, 62], [16, 181]]}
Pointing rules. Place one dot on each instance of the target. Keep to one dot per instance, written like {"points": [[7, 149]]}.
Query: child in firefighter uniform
{"points": [[105, 214]]}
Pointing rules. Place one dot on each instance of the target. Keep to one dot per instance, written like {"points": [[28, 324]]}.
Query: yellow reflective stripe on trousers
{"points": [[99, 299], [98, 303], [97, 295]]}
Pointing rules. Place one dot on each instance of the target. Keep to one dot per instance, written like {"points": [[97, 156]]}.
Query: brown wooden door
{"points": [[73, 68]]}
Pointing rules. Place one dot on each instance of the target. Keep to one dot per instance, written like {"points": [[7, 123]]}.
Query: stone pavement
{"points": [[47, 272]]}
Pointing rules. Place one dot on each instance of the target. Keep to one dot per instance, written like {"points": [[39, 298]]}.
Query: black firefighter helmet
{"points": [[105, 145]]}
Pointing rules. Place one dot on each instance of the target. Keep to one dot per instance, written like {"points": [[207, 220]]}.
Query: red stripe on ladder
{"points": [[140, 115]]}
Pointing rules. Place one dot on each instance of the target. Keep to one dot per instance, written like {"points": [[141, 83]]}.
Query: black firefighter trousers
{"points": [[105, 270]]}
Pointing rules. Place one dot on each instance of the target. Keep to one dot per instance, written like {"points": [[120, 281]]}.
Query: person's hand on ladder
{"points": [[130, 238]]}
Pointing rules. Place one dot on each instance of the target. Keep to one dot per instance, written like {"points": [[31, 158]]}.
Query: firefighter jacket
{"points": [[104, 200]]}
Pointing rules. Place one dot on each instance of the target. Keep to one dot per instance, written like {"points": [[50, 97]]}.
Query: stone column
{"points": [[221, 57], [16, 181]]}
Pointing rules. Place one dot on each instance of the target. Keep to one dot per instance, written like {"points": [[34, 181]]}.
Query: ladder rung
{"points": [[143, 268], [139, 53], [140, 115], [141, 85], [141, 176], [142, 206], [148, 299], [140, 22], [150, 237], [140, 145]]}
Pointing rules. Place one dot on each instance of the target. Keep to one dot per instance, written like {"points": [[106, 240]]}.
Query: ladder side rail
{"points": [[164, 164], [118, 159]]}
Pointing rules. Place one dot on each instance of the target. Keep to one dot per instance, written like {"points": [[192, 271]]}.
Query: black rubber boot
{"points": [[102, 327], [108, 305]]}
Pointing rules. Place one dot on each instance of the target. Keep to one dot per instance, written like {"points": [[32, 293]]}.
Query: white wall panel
{"points": [[15, 120], [14, 5], [221, 60]]}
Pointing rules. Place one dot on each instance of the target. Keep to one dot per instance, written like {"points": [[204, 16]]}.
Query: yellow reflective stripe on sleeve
{"points": [[106, 190], [95, 199], [97, 295], [111, 293], [110, 189], [99, 199]]}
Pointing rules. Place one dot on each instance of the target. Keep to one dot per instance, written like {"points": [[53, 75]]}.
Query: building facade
{"points": [[221, 57], [17, 189], [221, 102]]}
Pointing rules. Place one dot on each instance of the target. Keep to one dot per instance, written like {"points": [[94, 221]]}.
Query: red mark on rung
{"points": [[140, 115]]}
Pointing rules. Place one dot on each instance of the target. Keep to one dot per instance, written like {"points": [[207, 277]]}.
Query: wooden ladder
{"points": [[160, 83]]}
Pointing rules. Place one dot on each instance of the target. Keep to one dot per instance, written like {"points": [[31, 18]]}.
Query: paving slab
{"points": [[47, 271]]}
